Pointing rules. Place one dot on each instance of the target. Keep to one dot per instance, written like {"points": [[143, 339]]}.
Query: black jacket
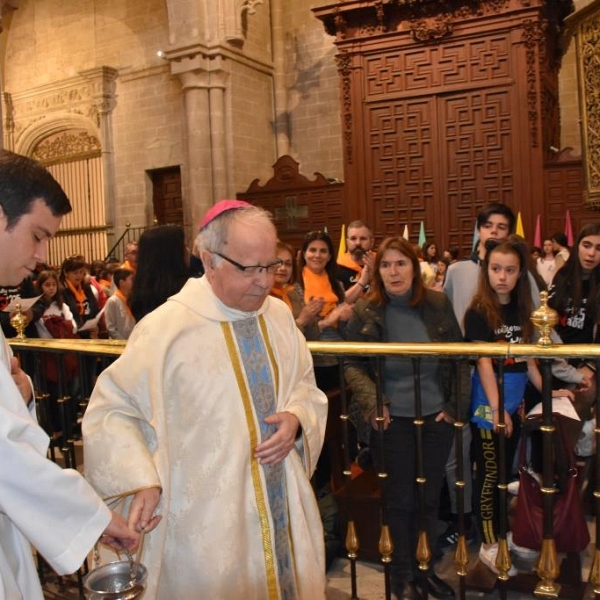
{"points": [[368, 325]]}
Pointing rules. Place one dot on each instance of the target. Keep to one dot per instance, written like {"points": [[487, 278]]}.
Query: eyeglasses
{"points": [[252, 270]]}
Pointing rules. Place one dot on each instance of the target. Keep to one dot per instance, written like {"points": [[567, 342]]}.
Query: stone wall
{"points": [[282, 91], [52, 42], [148, 134], [313, 102]]}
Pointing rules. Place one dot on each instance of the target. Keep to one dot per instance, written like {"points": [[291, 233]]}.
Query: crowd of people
{"points": [[405, 293], [206, 432], [98, 299]]}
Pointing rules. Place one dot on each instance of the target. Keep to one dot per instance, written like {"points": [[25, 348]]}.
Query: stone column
{"points": [[197, 174], [104, 84], [218, 135], [204, 85], [282, 118]]}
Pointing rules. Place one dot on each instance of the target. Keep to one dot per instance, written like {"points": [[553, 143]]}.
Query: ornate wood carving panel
{"points": [[403, 142], [476, 142], [438, 159], [448, 104], [298, 204], [430, 68], [586, 28], [439, 144]]}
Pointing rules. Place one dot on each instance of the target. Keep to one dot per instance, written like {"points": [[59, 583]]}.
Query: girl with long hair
{"points": [[546, 264], [55, 321], [53, 303], [575, 290], [162, 268], [431, 254], [499, 312], [78, 293], [575, 295]]}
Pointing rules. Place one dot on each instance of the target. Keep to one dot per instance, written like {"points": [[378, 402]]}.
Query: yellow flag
{"points": [[519, 229], [342, 249]]}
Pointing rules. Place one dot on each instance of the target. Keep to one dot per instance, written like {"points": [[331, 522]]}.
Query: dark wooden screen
{"points": [[447, 106], [298, 204]]}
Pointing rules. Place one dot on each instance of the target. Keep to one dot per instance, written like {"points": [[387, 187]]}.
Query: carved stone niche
{"points": [[584, 27]]}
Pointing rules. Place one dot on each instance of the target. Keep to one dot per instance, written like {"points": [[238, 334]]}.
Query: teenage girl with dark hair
{"points": [[78, 293], [431, 254], [546, 263], [499, 312], [575, 295], [56, 321], [162, 268]]}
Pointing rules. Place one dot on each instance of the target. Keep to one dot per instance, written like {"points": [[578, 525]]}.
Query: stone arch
{"points": [[40, 130]]}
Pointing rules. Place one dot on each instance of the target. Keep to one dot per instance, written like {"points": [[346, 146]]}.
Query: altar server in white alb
{"points": [[54, 510], [212, 419]]}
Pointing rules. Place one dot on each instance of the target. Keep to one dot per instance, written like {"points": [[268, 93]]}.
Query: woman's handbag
{"points": [[60, 328], [570, 528]]}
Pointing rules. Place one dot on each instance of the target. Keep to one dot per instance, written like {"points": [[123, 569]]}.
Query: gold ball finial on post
{"points": [[544, 319], [19, 321]]}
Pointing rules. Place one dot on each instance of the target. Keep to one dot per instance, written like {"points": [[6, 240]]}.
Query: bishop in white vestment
{"points": [[183, 409]]}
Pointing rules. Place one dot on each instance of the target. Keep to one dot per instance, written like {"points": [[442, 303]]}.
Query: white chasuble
{"points": [[183, 409], [41, 504]]}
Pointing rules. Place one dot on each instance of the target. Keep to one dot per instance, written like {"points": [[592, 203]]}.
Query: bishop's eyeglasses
{"points": [[252, 270]]}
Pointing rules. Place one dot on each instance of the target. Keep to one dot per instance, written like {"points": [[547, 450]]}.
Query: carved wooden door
{"points": [[436, 159], [166, 196], [446, 106]]}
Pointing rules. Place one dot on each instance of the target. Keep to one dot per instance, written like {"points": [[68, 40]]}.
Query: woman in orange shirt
{"points": [[316, 281]]}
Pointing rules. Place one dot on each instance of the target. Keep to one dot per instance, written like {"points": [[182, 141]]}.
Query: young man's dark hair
{"points": [[496, 208], [22, 182], [121, 275], [560, 239], [454, 253]]}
